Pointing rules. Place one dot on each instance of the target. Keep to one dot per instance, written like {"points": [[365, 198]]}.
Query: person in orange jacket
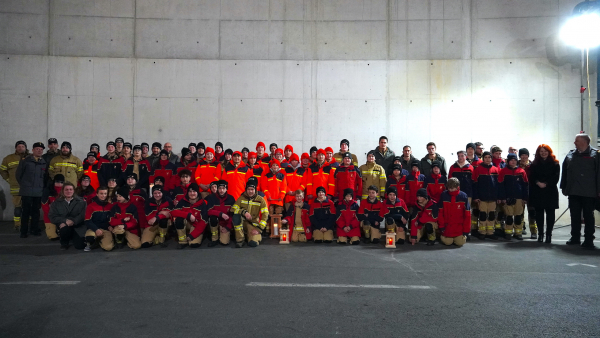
{"points": [[317, 176], [294, 174], [91, 167], [262, 158], [287, 153], [274, 185], [235, 173], [305, 160], [206, 172], [254, 169], [330, 159]]}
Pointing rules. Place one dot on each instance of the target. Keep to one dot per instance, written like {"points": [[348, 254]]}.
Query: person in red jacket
{"points": [[219, 153], [138, 165], [97, 217], [322, 217], [397, 179], [305, 160], [435, 183], [274, 185], [186, 162], [112, 164], [423, 219], [297, 219], [137, 196], [347, 222], [48, 197], [317, 176], [124, 220], [164, 168], [85, 190], [206, 172], [414, 182], [187, 215], [185, 178], [294, 175], [158, 215], [219, 214], [394, 213], [255, 169], [235, 173], [454, 214], [91, 168], [345, 176], [368, 214], [329, 158]]}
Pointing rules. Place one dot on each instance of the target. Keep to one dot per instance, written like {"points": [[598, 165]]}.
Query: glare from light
{"points": [[582, 31]]}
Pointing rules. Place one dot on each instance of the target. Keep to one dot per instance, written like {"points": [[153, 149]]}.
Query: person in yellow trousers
{"points": [[8, 170], [251, 212], [66, 164]]}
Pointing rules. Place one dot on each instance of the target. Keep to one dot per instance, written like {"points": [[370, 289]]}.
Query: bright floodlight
{"points": [[582, 31]]}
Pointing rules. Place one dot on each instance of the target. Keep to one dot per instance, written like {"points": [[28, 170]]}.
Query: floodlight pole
{"points": [[582, 90]]}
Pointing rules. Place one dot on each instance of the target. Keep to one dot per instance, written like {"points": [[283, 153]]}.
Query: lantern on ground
{"points": [[390, 240], [284, 236]]}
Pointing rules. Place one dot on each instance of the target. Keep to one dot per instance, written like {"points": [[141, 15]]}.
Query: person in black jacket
{"points": [[68, 214], [543, 191], [97, 218], [581, 182], [30, 175]]}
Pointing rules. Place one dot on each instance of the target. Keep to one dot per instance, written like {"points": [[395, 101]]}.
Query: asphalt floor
{"points": [[484, 289]]}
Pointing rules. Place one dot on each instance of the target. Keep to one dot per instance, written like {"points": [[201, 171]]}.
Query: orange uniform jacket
{"points": [[236, 178], [206, 173], [316, 177], [274, 186]]}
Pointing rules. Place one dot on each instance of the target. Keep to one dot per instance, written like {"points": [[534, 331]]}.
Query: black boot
{"points": [[574, 241], [540, 234], [548, 239]]}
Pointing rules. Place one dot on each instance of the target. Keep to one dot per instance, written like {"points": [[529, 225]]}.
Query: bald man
{"points": [[173, 158]]}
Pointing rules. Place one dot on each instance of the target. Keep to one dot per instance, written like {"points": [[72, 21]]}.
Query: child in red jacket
{"points": [[395, 214], [454, 217], [424, 219], [347, 222], [435, 183]]}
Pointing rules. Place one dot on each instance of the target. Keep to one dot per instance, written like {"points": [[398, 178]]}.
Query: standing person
{"points": [[173, 158], [485, 194], [50, 194], [472, 156], [112, 165], [165, 169], [245, 154], [463, 171], [479, 149], [30, 176], [514, 193], [48, 156], [91, 168], [200, 152], [313, 152], [525, 164], [544, 174], [347, 176], [235, 174], [119, 143], [287, 152], [413, 183], [373, 174], [263, 159], [384, 156], [155, 156], [206, 172], [329, 158], [294, 175], [219, 151], [136, 164], [8, 169], [407, 157], [305, 160], [68, 214], [274, 185], [580, 181], [344, 148], [145, 150], [398, 180], [192, 148], [66, 164], [316, 176], [427, 161], [126, 153], [435, 182], [497, 159]]}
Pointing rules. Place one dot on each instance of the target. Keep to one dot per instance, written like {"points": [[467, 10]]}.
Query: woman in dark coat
{"points": [[543, 189]]}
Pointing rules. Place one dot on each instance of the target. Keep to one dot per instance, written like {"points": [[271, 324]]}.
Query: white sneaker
{"points": [[87, 248]]}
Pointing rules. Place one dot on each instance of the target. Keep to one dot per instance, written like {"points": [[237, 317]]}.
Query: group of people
{"points": [[143, 195]]}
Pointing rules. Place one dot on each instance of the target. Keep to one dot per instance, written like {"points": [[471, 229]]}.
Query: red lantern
{"points": [[284, 237]]}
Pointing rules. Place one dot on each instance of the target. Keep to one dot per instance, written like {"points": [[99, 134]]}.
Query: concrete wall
{"points": [[299, 72]]}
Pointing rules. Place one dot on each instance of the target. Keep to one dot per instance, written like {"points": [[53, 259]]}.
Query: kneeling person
{"points": [[395, 214], [368, 214], [424, 218], [347, 221], [454, 216], [188, 218], [97, 217], [158, 214], [250, 211], [322, 217], [219, 213], [297, 219], [124, 220]]}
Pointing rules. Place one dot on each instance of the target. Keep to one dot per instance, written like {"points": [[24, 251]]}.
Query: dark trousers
{"points": [[31, 214], [585, 204], [550, 218], [68, 234]]}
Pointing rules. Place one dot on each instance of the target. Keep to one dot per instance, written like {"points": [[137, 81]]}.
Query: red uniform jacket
{"points": [[414, 182], [454, 217], [423, 215], [167, 171], [216, 206], [343, 178], [274, 186], [435, 185], [179, 193], [206, 173], [236, 178], [369, 211], [291, 220], [400, 185], [185, 209], [120, 211], [395, 210], [154, 208], [347, 216], [137, 197], [295, 181]]}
